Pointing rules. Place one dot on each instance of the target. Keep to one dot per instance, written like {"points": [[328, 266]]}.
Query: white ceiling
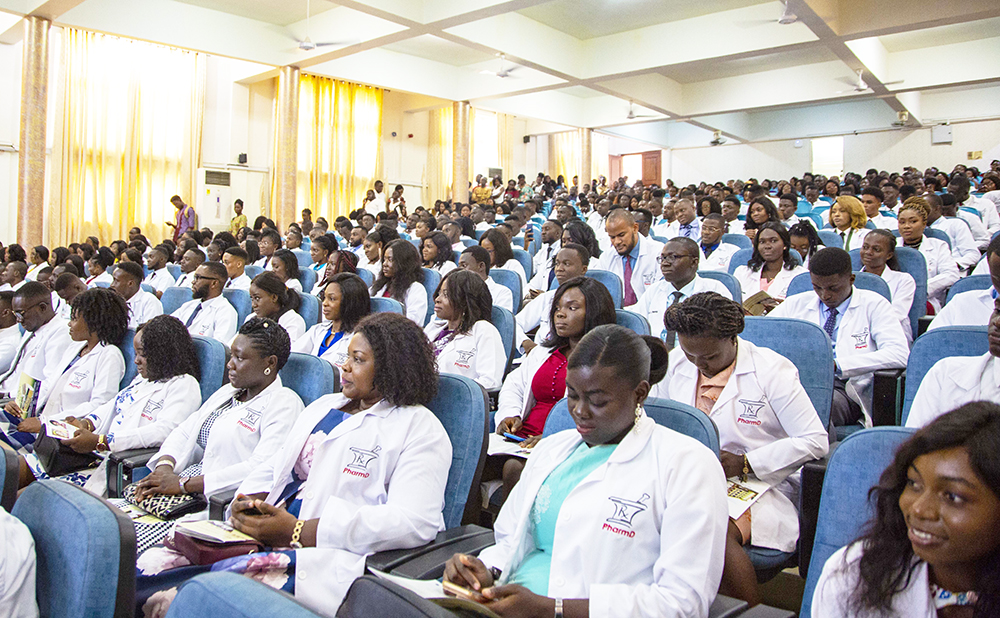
{"points": [[692, 66]]}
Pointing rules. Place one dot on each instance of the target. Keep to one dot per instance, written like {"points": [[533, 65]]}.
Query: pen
{"points": [[513, 438]]}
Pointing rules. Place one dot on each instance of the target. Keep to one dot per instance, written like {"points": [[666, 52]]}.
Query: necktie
{"points": [[229, 283], [670, 337], [197, 310], [831, 322], [630, 297], [686, 231]]}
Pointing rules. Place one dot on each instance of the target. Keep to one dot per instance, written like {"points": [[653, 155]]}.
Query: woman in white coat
{"points": [[771, 267], [403, 279], [345, 303], [270, 298], [932, 548], [847, 218], [436, 251], [464, 341], [767, 424], [362, 471], [878, 255], [942, 271], [89, 372], [502, 255], [619, 517], [286, 266]]}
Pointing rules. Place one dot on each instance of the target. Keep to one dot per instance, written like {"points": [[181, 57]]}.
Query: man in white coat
{"points": [[45, 339], [964, 249], [209, 314], [686, 223], [477, 259], [634, 258], [973, 308], [542, 262], [159, 277], [142, 305], [235, 259], [191, 260], [959, 186], [10, 334], [862, 325], [717, 254]]}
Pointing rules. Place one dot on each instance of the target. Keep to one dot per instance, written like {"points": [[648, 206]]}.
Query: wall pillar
{"points": [[286, 146], [586, 158], [461, 156], [31, 149]]}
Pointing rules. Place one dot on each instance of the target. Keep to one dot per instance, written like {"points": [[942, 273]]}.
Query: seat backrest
{"points": [[252, 271], [510, 280], [969, 284], [174, 270], [731, 283], [381, 304], [844, 507], [9, 475], [675, 415], [240, 300], [659, 239], [830, 238], [816, 218], [912, 262], [862, 281], [740, 240], [740, 258], [147, 287], [212, 360], [936, 344], [468, 242], [85, 551], [932, 232], [102, 284], [503, 320], [128, 354], [463, 408], [174, 297], [309, 308], [309, 376], [307, 277], [366, 275], [611, 281], [432, 279], [370, 596], [305, 260], [807, 346], [524, 258], [632, 321], [228, 595]]}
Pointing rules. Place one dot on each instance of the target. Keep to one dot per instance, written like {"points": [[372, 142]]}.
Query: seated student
{"points": [[964, 248], [345, 303], [931, 548], [10, 334], [949, 211], [465, 342], [529, 392], [570, 262], [717, 253], [251, 247], [237, 429], [862, 325], [847, 217], [286, 266], [871, 200], [633, 258], [38, 259], [270, 298], [686, 224], [374, 243], [771, 267], [544, 261], [402, 279], [557, 547], [959, 186], [805, 240], [957, 380], [477, 260], [435, 249], [580, 233], [731, 213], [270, 241], [68, 286], [13, 276], [99, 264], [679, 266], [320, 521], [46, 336], [235, 260], [159, 278], [142, 305], [788, 204], [501, 254], [973, 308], [717, 372], [942, 270], [190, 261], [17, 581], [878, 254], [208, 313], [761, 210]]}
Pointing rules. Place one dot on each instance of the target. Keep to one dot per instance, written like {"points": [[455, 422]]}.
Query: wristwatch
{"points": [[559, 608], [183, 481]]}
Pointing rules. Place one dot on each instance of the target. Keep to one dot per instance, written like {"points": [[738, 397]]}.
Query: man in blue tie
{"points": [[686, 224]]}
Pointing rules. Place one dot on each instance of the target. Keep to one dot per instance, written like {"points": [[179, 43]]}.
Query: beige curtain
{"points": [[127, 136], [505, 145], [564, 155], [440, 155]]}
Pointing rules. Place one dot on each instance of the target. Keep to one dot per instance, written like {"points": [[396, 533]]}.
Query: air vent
{"points": [[220, 179]]}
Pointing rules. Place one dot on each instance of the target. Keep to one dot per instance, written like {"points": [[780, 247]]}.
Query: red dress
{"points": [[548, 387]]}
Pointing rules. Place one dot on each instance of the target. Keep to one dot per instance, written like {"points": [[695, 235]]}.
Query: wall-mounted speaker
{"points": [[527, 139]]}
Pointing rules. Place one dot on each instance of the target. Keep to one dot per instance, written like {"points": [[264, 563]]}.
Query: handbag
{"points": [[201, 552], [166, 507], [58, 459]]}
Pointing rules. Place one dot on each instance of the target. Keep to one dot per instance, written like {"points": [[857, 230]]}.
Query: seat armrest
{"points": [[387, 561], [120, 467], [218, 504], [766, 611], [887, 396], [813, 474], [726, 607], [430, 565]]}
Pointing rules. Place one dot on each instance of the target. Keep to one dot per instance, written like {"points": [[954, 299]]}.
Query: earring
{"points": [[267, 371], [638, 412]]}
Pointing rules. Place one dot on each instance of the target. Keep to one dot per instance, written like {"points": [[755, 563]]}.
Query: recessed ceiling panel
{"points": [[277, 12], [582, 92], [942, 35], [716, 68], [434, 48]]}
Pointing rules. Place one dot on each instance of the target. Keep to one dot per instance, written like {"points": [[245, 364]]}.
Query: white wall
{"points": [[404, 158], [10, 105], [730, 161], [894, 150]]}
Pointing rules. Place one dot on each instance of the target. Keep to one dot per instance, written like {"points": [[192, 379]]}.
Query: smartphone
{"points": [[459, 591]]}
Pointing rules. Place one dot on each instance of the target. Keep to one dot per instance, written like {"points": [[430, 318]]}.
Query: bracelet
{"points": [[746, 469], [559, 608], [297, 533], [102, 443]]}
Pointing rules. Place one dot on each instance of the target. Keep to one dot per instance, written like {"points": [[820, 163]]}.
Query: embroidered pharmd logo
{"points": [[860, 339], [464, 358], [751, 411], [362, 458], [249, 420], [625, 512]]}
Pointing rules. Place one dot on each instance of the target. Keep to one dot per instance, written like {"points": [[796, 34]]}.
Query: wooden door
{"points": [[651, 168], [615, 169]]}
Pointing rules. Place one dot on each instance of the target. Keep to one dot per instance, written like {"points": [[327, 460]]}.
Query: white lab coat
{"points": [[444, 267], [78, 390], [142, 416], [217, 318], [542, 264], [239, 283], [17, 569], [414, 304], [310, 342], [294, 285], [478, 354], [952, 382], [902, 287], [376, 483], [972, 308], [840, 579], [536, 314], [853, 238], [987, 211], [515, 397], [159, 279], [502, 296], [645, 271], [657, 298], [673, 230], [964, 248], [659, 500], [979, 232], [884, 222], [736, 227], [185, 280], [104, 277], [242, 438], [750, 281], [291, 321], [10, 337], [143, 307], [942, 271], [514, 265], [869, 338], [764, 413], [36, 354], [719, 260]]}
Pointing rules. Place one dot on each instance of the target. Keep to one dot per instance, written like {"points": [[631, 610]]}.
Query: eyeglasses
{"points": [[20, 314], [200, 277], [671, 257]]}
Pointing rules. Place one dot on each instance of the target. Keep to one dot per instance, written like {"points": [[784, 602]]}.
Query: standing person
{"points": [[185, 218], [378, 204], [238, 222], [307, 222]]}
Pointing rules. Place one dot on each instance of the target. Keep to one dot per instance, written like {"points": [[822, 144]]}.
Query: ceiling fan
{"points": [[502, 73], [787, 17], [859, 85], [632, 115], [306, 44]]}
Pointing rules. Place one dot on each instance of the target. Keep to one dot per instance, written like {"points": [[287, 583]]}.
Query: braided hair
{"points": [[405, 368], [635, 358], [268, 338], [707, 314]]}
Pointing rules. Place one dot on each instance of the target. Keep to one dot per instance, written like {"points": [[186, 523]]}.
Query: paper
{"points": [[212, 531], [27, 395], [742, 494], [432, 590], [60, 429], [500, 446]]}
